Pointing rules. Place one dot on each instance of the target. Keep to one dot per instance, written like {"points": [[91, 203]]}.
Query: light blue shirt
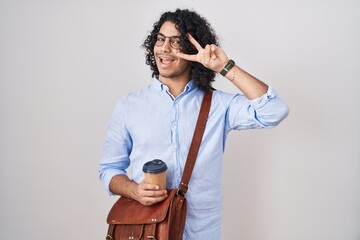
{"points": [[152, 124]]}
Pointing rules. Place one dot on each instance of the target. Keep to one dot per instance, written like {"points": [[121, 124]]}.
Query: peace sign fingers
{"points": [[211, 56]]}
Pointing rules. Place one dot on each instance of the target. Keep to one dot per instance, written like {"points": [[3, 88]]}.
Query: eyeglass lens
{"points": [[175, 41]]}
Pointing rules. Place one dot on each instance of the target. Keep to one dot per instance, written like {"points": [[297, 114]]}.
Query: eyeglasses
{"points": [[175, 41]]}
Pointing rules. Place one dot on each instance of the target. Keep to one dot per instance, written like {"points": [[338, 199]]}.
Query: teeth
{"points": [[166, 60]]}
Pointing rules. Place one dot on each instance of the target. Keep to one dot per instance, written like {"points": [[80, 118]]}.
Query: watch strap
{"points": [[227, 67]]}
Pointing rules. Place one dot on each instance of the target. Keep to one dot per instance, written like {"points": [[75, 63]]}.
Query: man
{"points": [[158, 121]]}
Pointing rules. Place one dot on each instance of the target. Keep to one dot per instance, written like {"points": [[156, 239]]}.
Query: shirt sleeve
{"points": [[264, 112], [117, 147]]}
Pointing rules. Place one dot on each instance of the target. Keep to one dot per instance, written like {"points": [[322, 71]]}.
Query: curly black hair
{"points": [[186, 21]]}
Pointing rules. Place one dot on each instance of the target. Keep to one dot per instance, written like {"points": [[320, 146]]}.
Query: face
{"points": [[169, 65]]}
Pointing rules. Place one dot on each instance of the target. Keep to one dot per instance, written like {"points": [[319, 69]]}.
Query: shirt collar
{"points": [[157, 85]]}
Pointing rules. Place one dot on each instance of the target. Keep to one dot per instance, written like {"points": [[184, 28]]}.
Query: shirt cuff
{"points": [[106, 178], [260, 102]]}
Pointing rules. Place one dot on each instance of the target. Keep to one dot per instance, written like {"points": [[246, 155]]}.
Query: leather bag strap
{"points": [[196, 142], [110, 234]]}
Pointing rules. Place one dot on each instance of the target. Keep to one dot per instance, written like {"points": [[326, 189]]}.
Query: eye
{"points": [[176, 41], [161, 39]]}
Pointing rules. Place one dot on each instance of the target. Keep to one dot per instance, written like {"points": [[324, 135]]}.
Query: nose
{"points": [[166, 47]]}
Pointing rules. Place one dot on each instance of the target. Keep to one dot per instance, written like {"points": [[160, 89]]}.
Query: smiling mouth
{"points": [[166, 60]]}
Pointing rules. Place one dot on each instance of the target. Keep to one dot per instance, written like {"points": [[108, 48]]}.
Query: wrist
{"points": [[230, 64]]}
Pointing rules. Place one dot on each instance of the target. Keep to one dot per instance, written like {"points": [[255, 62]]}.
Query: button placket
{"points": [[175, 140]]}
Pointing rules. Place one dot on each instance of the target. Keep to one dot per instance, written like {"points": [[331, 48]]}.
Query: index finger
{"points": [[194, 42], [148, 186]]}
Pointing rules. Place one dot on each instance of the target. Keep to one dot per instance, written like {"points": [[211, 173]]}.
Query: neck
{"points": [[176, 86]]}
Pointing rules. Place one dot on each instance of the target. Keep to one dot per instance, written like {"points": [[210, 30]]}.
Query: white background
{"points": [[64, 64]]}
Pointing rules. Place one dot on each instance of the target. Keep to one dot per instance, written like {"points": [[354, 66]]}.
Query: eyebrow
{"points": [[170, 36]]}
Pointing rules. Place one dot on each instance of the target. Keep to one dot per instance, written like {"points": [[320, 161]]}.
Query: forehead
{"points": [[169, 29]]}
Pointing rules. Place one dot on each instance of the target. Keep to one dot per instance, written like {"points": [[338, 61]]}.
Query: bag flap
{"points": [[128, 211], [134, 232]]}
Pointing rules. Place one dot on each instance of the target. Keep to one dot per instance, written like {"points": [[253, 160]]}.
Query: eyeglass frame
{"points": [[156, 35]]}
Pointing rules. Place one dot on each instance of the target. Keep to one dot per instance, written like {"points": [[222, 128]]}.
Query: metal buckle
{"points": [[178, 192]]}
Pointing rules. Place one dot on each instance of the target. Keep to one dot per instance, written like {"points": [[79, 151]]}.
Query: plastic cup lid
{"points": [[154, 166]]}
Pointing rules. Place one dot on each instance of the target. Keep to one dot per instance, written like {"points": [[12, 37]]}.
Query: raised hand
{"points": [[211, 56]]}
